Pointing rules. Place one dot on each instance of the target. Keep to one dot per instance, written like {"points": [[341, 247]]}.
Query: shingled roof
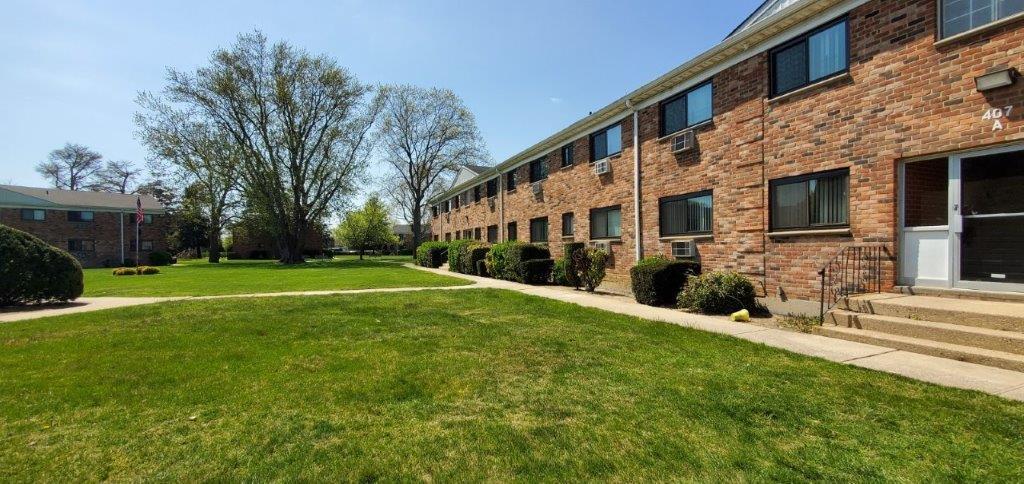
{"points": [[12, 195]]}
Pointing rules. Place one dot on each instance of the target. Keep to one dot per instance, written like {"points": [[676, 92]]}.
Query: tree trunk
{"points": [[417, 227], [213, 246], [361, 250]]}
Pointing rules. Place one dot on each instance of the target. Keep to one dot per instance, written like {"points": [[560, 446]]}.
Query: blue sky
{"points": [[69, 71]]}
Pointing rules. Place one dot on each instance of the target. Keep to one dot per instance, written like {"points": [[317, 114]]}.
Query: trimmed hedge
{"points": [[160, 259], [657, 281], [593, 268], [33, 271], [432, 254], [507, 259], [496, 259], [719, 293], [537, 271], [574, 253], [474, 257], [458, 252], [140, 270], [558, 273]]}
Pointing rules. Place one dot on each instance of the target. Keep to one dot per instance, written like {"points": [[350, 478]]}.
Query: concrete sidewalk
{"points": [[942, 371], [88, 304]]}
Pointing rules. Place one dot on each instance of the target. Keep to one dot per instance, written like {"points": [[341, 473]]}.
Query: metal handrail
{"points": [[855, 269]]}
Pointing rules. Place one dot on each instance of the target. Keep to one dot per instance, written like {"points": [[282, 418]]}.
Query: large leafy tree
{"points": [[117, 177], [426, 135], [198, 154], [367, 228], [71, 167], [302, 122]]}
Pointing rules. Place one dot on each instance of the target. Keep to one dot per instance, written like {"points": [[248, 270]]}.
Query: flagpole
{"points": [[137, 242]]}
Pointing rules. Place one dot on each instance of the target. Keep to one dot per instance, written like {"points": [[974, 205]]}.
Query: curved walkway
{"points": [[942, 371]]}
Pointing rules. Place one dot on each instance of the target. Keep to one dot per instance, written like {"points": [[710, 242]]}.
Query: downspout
{"points": [[501, 206], [637, 229], [122, 237]]}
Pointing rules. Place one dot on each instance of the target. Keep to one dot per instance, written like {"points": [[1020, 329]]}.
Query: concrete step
{"points": [[956, 293], [1006, 316], [991, 339], [981, 356]]}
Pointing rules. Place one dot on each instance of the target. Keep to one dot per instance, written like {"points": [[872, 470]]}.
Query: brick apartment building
{"points": [[97, 228], [815, 126]]}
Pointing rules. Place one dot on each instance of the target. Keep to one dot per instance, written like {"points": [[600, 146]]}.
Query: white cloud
{"points": [[556, 100]]}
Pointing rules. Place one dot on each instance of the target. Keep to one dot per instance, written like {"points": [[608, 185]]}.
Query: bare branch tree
{"points": [[303, 124], [199, 155], [116, 177], [71, 167], [427, 134]]}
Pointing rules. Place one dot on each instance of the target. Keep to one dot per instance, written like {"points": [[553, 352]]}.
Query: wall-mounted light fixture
{"points": [[995, 80]]}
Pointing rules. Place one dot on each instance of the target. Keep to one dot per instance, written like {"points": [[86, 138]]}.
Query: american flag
{"points": [[138, 211]]}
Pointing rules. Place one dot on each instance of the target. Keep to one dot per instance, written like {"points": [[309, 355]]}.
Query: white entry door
{"points": [[962, 221]]}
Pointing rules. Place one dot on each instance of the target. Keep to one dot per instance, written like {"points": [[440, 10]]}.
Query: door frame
{"points": [[956, 222]]}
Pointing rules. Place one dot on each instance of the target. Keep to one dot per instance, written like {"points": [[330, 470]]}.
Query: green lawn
{"points": [[463, 386], [200, 278]]}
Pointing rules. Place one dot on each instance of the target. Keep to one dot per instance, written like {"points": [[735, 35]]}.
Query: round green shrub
{"points": [[497, 259], [719, 292], [458, 252], [657, 281], [160, 258], [32, 271], [593, 265], [147, 270], [574, 253], [432, 254]]}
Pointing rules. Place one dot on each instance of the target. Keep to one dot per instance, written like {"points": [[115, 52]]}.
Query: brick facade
{"points": [[905, 96], [249, 244], [104, 231]]}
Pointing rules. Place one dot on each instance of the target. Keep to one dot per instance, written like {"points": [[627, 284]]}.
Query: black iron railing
{"points": [[856, 269]]}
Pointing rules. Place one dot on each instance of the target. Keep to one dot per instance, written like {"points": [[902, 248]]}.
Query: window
{"points": [[539, 230], [605, 143], [79, 245], [478, 193], [434, 211], [685, 214], [448, 237], [455, 202], [146, 219], [146, 245], [687, 109], [492, 187], [810, 58], [959, 16], [568, 219], [436, 238], [811, 201], [492, 234], [32, 214], [476, 233], [467, 234], [74, 216], [512, 232], [510, 180], [567, 155], [606, 223], [538, 170]]}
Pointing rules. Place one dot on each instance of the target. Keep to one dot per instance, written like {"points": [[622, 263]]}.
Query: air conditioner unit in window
{"points": [[537, 187], [490, 203], [683, 142], [602, 167], [601, 244], [683, 249]]}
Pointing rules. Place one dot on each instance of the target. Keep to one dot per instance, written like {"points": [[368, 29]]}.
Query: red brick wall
{"points": [[247, 245], [104, 230], [905, 97]]}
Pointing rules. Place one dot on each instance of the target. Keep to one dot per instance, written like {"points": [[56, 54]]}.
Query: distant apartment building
{"points": [[97, 228], [815, 127]]}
